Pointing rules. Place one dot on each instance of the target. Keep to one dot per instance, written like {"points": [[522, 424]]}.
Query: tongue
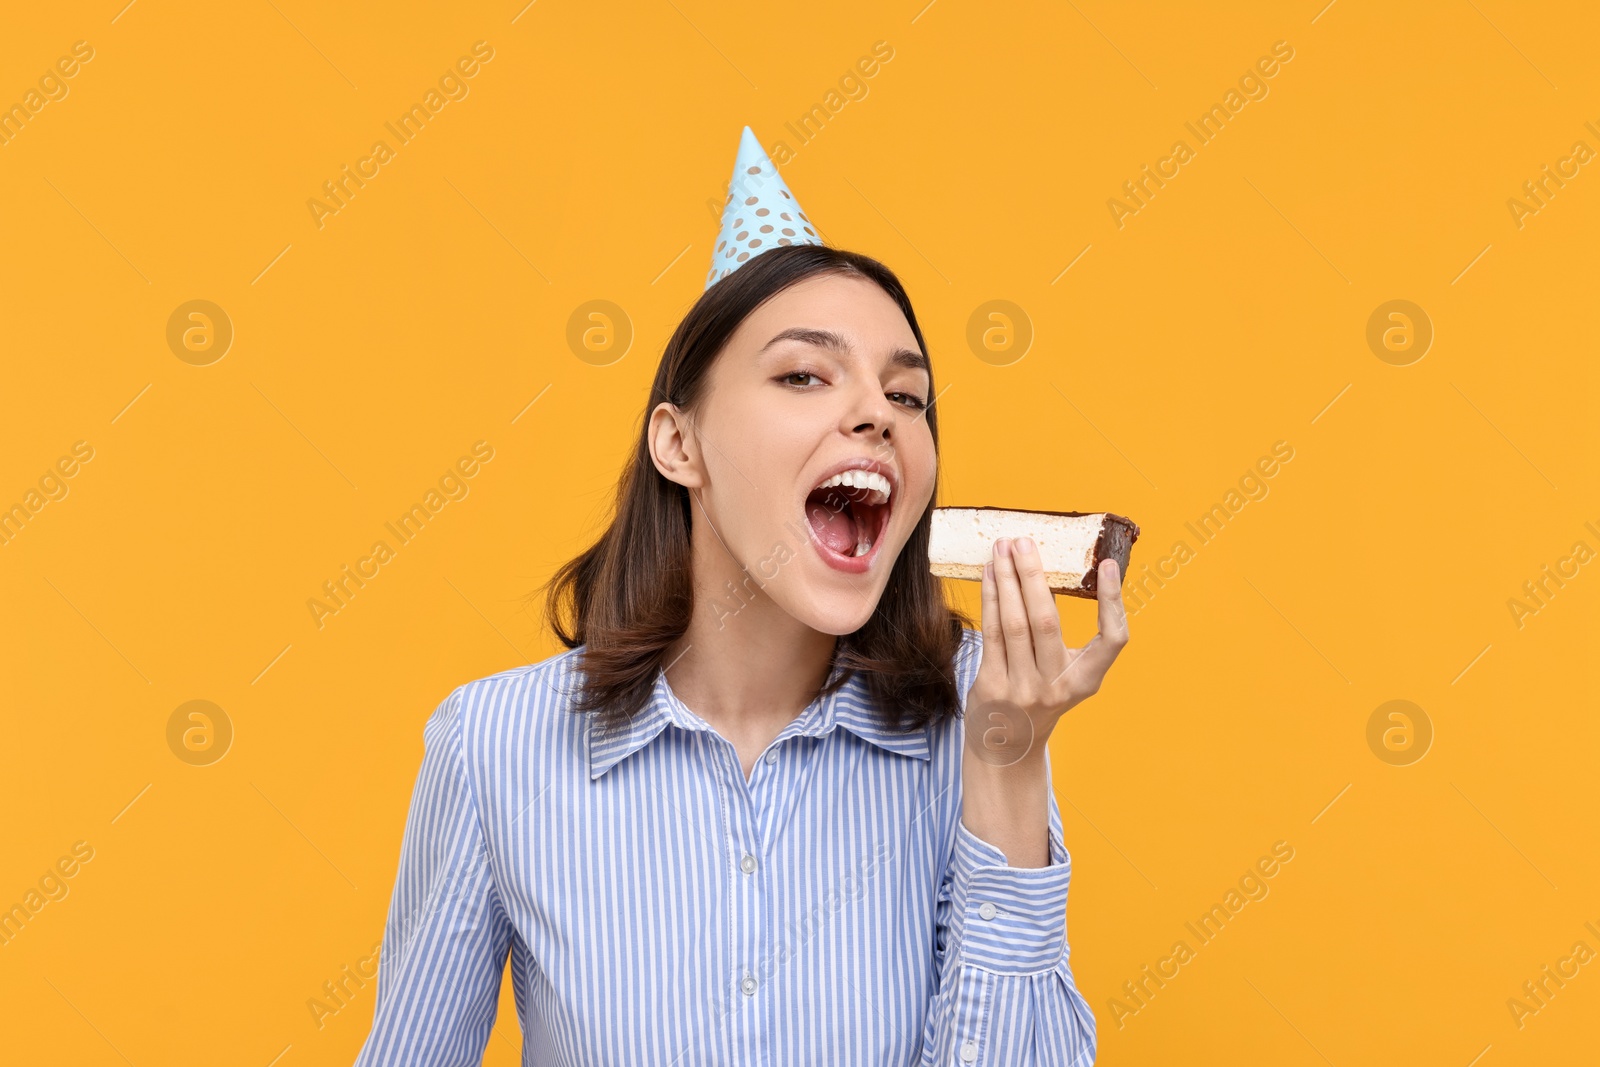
{"points": [[835, 526]]}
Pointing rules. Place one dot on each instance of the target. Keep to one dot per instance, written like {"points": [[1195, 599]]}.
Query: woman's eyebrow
{"points": [[901, 357]]}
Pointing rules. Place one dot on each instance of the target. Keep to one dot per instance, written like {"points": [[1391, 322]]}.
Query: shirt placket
{"points": [[747, 808], [750, 905]]}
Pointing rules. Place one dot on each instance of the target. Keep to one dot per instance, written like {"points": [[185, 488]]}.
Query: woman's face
{"points": [[821, 387]]}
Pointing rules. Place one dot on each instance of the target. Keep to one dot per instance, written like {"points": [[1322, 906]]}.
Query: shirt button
{"points": [[748, 988], [772, 755], [748, 864], [987, 910], [969, 1052]]}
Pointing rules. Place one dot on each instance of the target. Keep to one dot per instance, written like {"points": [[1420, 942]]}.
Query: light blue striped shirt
{"points": [[661, 909]]}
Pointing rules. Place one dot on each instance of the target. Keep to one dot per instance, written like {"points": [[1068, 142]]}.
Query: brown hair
{"points": [[630, 595]]}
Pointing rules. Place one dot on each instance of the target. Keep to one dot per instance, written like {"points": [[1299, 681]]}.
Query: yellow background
{"points": [[586, 163]]}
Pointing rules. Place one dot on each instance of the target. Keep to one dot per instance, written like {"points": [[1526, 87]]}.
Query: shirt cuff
{"points": [[1014, 919]]}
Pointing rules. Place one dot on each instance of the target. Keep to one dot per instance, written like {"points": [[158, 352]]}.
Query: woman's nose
{"points": [[870, 414]]}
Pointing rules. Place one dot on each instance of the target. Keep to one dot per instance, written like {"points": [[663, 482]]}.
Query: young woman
{"points": [[743, 820]]}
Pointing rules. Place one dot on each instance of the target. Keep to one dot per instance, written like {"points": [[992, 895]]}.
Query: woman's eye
{"points": [[803, 378]]}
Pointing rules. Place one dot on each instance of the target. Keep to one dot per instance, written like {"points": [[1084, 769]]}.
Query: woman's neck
{"points": [[744, 665]]}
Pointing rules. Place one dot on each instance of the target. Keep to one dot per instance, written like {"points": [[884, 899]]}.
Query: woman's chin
{"points": [[828, 599], [836, 611], [837, 622]]}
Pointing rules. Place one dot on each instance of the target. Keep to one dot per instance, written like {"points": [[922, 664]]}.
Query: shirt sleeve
{"points": [[1006, 995], [447, 934]]}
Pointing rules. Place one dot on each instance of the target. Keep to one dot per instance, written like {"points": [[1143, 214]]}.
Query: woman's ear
{"points": [[673, 447]]}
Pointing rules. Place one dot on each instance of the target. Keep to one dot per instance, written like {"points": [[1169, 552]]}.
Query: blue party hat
{"points": [[760, 214]]}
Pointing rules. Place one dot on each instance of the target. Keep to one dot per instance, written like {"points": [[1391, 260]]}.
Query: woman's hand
{"points": [[1027, 679]]}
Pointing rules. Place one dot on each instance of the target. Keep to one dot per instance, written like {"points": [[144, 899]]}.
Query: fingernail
{"points": [[1024, 545], [1003, 546]]}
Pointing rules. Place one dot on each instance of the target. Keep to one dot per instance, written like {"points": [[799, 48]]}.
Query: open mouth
{"points": [[848, 514]]}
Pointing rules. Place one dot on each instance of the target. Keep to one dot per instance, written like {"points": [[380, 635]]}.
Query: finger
{"points": [[1014, 624], [994, 642], [1044, 618], [1089, 666], [1113, 614]]}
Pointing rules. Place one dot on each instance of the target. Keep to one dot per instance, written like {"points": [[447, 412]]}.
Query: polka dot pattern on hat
{"points": [[756, 194]]}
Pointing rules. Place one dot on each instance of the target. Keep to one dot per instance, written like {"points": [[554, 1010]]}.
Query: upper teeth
{"points": [[862, 480]]}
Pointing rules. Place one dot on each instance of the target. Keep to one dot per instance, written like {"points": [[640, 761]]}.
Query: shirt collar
{"points": [[850, 706]]}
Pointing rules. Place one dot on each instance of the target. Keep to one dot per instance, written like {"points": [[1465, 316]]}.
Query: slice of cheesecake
{"points": [[1071, 543]]}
